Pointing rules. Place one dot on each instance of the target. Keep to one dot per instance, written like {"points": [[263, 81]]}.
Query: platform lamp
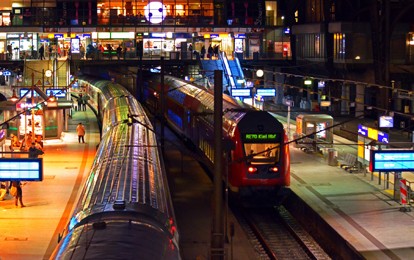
{"points": [[14, 98]]}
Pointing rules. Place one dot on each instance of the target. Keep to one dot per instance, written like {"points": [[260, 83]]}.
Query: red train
{"points": [[258, 164]]}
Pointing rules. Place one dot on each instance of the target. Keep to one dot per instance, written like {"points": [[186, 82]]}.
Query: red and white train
{"points": [[259, 163]]}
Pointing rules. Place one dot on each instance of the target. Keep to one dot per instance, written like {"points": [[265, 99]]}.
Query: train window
{"points": [[263, 152]]}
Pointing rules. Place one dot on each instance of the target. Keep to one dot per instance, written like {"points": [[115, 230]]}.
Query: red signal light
{"points": [[273, 169], [252, 169]]}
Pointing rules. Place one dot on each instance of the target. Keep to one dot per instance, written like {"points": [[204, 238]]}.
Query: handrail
{"points": [[225, 63]]}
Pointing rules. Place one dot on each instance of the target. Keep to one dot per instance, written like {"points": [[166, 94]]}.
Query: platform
{"points": [[358, 207]]}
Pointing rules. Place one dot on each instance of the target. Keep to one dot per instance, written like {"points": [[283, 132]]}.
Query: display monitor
{"points": [[21, 169], [386, 121]]}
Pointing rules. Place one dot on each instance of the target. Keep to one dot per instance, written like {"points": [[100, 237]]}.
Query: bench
{"points": [[349, 163]]}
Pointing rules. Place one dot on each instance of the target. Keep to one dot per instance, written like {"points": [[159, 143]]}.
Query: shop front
{"points": [[39, 117], [23, 45], [224, 42], [165, 43]]}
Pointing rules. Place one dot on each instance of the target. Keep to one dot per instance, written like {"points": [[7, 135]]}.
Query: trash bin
{"points": [[332, 157]]}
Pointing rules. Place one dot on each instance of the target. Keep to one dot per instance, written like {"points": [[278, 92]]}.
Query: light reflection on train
{"points": [[125, 210]]}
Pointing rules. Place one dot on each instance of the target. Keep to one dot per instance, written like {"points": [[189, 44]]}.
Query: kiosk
{"points": [[315, 130]]}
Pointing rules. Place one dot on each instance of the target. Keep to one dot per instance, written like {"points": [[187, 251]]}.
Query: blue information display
{"points": [[241, 92], [392, 160], [266, 92], [21, 169], [59, 93]]}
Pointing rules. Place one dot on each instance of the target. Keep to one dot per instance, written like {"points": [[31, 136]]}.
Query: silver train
{"points": [[125, 209]]}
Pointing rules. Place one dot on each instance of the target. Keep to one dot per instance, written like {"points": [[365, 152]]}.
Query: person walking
{"points": [[10, 52], [82, 51], [203, 52], [35, 151], [80, 130], [42, 52], [17, 192], [119, 52]]}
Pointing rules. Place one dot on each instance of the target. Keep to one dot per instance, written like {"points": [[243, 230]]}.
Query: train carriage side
{"points": [[261, 159], [124, 210]]}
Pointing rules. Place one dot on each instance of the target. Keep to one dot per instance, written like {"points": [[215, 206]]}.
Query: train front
{"points": [[261, 159]]}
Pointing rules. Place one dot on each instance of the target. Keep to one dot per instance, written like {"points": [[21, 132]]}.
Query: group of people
{"points": [[92, 52], [34, 150], [82, 101], [211, 52], [27, 143], [14, 188]]}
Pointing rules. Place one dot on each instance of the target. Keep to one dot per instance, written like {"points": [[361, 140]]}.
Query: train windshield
{"points": [[263, 152]]}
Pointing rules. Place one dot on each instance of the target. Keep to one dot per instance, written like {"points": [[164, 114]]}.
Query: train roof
{"points": [[234, 109]]}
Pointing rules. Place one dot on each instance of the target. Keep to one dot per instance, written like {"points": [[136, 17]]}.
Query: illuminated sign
{"points": [[363, 130], [386, 121], [58, 35], [241, 92], [155, 12], [122, 35], [27, 93], [392, 160], [373, 134], [2, 134], [260, 137], [21, 169], [266, 92], [59, 93], [157, 35]]}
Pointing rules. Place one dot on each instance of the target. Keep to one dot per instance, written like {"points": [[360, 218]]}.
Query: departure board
{"points": [[392, 160], [21, 169]]}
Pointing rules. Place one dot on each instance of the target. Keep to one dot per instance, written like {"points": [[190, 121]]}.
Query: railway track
{"points": [[275, 234]]}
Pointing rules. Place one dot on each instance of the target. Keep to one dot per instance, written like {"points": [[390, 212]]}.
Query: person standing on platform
{"points": [[42, 52], [34, 151], [79, 103], [210, 52], [80, 130], [203, 52], [119, 52], [17, 192], [3, 190]]}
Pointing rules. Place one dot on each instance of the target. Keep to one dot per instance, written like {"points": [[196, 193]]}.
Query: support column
{"points": [[345, 100], [359, 100]]}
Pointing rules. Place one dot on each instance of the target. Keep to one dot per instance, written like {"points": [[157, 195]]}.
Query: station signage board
{"points": [[266, 92], [373, 134], [241, 92], [56, 92], [21, 169], [392, 160]]}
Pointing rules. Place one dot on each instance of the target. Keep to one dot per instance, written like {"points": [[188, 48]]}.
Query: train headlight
{"points": [[252, 169], [273, 169]]}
